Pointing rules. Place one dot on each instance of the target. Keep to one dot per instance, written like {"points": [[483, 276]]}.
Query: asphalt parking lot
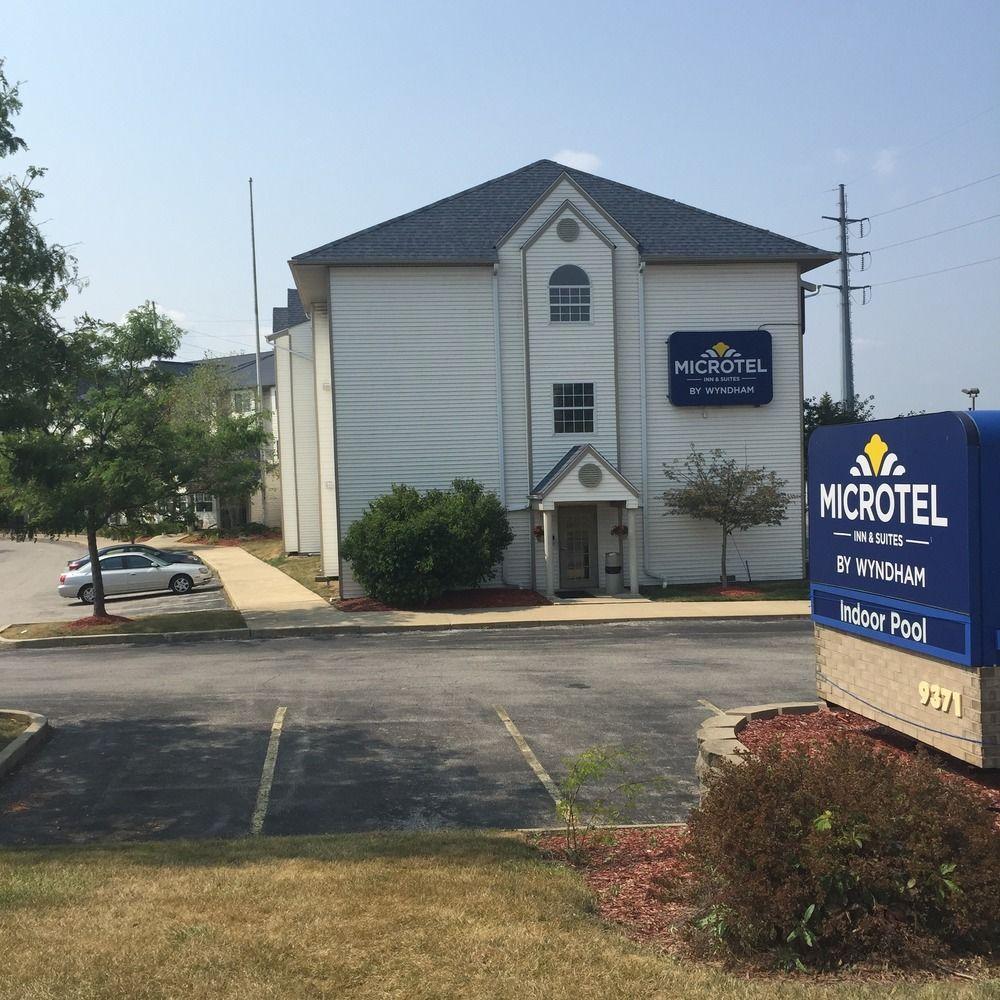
{"points": [[30, 571], [373, 732]]}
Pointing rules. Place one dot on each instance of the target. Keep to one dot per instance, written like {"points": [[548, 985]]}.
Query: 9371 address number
{"points": [[940, 698]]}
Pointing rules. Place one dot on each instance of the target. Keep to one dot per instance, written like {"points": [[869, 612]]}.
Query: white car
{"points": [[132, 573]]}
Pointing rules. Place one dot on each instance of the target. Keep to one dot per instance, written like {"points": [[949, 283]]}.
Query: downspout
{"points": [[502, 478], [643, 433]]}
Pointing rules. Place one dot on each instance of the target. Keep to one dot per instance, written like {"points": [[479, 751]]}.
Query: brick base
{"points": [[881, 683]]}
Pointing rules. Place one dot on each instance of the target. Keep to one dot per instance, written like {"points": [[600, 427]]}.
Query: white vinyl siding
{"points": [[571, 352], [286, 445], [307, 467], [725, 297], [415, 382], [325, 442]]}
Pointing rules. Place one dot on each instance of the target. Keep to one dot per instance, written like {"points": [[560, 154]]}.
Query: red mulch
{"points": [[816, 730], [631, 872], [734, 591], [91, 620], [456, 600]]}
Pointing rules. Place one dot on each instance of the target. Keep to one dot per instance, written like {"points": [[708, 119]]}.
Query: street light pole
{"points": [[972, 393]]}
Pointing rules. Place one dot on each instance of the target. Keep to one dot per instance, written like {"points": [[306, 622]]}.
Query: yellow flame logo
{"points": [[877, 460], [720, 348]]}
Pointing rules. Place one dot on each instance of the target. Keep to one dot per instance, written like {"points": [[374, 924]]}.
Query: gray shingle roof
{"points": [[284, 317], [240, 368], [467, 226]]}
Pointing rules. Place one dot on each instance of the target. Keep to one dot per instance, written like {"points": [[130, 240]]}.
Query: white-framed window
{"points": [[569, 295], [573, 407], [203, 502], [244, 401]]}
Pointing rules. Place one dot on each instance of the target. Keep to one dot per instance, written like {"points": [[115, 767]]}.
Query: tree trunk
{"points": [[95, 570], [725, 539]]}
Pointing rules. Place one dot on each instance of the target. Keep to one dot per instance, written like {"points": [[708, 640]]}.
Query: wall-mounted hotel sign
{"points": [[728, 368]]}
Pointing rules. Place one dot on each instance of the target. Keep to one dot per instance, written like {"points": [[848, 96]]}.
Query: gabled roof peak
{"points": [[465, 228]]}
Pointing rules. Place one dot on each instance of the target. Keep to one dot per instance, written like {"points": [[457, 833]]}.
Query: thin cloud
{"points": [[578, 159], [885, 162], [842, 156]]}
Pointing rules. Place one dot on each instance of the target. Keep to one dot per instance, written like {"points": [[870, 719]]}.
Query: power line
{"points": [[931, 197], [943, 270], [909, 204], [927, 236]]}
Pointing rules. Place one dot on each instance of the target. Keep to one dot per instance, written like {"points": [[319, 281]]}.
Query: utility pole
{"points": [[260, 391], [845, 287]]}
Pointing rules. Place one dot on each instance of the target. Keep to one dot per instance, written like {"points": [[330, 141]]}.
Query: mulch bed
{"points": [[456, 600], [91, 620], [629, 871], [817, 730]]}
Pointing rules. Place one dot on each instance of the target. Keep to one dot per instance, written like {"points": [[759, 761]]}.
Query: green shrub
{"points": [[846, 855], [410, 547]]}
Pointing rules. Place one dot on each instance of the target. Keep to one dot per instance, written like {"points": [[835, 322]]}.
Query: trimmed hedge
{"points": [[843, 856], [410, 547]]}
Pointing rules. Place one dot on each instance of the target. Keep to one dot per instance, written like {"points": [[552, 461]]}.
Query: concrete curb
{"points": [[718, 735], [352, 628], [28, 742], [124, 639]]}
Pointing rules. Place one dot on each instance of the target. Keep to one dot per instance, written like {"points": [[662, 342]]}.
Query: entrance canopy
{"points": [[583, 475]]}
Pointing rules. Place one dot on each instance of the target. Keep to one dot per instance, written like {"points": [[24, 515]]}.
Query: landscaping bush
{"points": [[847, 855], [410, 547]]}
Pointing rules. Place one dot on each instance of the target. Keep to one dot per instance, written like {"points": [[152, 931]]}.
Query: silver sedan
{"points": [[132, 573]]}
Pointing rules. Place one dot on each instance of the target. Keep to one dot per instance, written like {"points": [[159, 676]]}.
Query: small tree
{"points": [[715, 487], [410, 547], [106, 448], [220, 449]]}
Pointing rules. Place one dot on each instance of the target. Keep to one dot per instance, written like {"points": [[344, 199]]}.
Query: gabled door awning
{"points": [[583, 475]]}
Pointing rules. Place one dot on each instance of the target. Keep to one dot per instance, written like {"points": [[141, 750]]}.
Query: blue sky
{"points": [[150, 118]]}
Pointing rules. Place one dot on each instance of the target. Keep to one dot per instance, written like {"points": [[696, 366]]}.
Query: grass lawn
{"points": [[768, 590], [10, 729], [302, 569], [184, 621], [415, 916]]}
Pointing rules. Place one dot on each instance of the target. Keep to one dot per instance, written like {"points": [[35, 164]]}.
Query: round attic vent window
{"points": [[568, 229], [590, 475]]}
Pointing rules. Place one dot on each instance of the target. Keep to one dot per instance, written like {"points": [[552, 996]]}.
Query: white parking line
{"points": [[710, 706], [267, 774], [533, 762]]}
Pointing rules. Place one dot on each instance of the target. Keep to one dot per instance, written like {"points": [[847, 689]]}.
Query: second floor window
{"points": [[569, 295], [573, 407], [203, 502], [244, 401]]}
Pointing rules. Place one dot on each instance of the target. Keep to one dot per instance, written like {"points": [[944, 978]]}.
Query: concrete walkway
{"points": [[271, 600]]}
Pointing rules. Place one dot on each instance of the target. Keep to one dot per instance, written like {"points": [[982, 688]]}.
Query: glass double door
{"points": [[577, 547]]}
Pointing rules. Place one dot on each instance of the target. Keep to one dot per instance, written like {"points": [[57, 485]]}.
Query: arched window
{"points": [[569, 295]]}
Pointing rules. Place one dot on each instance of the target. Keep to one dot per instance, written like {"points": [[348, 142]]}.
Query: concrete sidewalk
{"points": [[273, 603]]}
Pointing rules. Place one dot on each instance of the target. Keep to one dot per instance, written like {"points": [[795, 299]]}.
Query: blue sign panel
{"points": [[729, 368], [897, 543]]}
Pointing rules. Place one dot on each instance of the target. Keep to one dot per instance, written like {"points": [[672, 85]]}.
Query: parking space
{"points": [[386, 732]]}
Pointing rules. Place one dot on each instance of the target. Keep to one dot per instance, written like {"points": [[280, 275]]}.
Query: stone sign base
{"points": [[954, 709]]}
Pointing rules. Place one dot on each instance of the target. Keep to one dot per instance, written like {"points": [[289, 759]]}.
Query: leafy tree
{"points": [[221, 448], [36, 355], [410, 547], [715, 487], [825, 410], [106, 449]]}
